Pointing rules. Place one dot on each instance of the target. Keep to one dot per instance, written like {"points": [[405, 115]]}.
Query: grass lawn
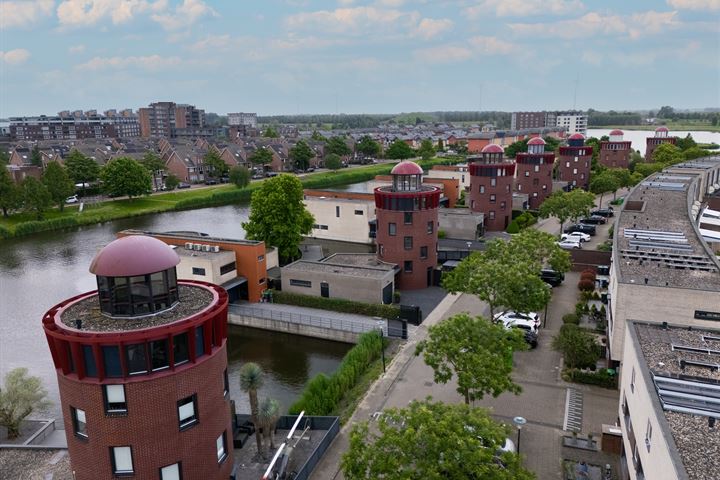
{"points": [[685, 125]]}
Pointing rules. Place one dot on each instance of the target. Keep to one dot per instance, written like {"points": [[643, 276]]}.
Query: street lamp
{"points": [[519, 422]]}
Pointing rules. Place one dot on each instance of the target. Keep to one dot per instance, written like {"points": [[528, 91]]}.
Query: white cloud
{"points": [[695, 4], [592, 58], [430, 27], [478, 46], [185, 15], [491, 46], [23, 13], [14, 57], [76, 49], [77, 13], [524, 8], [150, 62], [593, 24], [354, 20]]}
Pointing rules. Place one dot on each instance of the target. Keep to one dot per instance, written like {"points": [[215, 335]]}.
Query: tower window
{"points": [[121, 459], [187, 412], [408, 243], [392, 229], [221, 447], [114, 397], [171, 472], [79, 422]]}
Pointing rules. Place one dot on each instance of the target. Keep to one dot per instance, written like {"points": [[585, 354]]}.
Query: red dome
{"points": [[617, 132], [133, 255], [492, 148], [406, 168], [536, 141], [661, 129], [576, 136]]}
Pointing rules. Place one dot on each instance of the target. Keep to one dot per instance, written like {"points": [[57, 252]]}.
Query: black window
{"points": [[159, 354], [136, 358], [423, 252], [430, 227], [261, 258], [198, 271], [187, 412], [408, 242], [226, 383], [392, 229], [114, 397], [337, 211], [358, 212], [180, 349], [221, 446], [79, 422], [227, 268], [407, 266], [492, 198], [300, 283], [408, 218], [199, 342], [90, 367], [111, 360], [121, 459]]}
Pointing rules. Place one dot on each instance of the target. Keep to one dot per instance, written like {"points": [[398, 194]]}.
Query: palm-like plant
{"points": [[268, 415], [251, 379]]}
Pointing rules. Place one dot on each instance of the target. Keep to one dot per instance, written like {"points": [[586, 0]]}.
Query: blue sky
{"points": [[353, 56]]}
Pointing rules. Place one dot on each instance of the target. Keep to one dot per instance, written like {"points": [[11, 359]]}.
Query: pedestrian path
{"points": [[573, 410]]}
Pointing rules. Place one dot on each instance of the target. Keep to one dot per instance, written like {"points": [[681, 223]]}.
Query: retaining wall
{"points": [[294, 328]]}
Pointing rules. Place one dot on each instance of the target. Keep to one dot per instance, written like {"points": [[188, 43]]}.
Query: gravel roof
{"points": [[334, 266], [35, 464], [192, 300]]}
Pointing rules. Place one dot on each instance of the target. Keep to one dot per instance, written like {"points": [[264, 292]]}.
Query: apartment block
{"points": [[73, 127], [241, 118]]}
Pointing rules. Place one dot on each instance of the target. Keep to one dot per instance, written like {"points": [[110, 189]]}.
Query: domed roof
{"points": [[536, 141], [492, 148], [661, 129], [617, 132], [133, 255], [576, 136], [406, 168]]}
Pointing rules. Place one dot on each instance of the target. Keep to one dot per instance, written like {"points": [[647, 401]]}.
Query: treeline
{"points": [[601, 119], [340, 121]]}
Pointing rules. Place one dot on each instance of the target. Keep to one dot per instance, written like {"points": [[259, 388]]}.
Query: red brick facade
{"points": [[615, 154], [651, 143], [534, 176], [574, 165], [491, 193]]}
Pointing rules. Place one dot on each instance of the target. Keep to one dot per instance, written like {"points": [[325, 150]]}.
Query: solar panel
{"points": [[688, 396]]}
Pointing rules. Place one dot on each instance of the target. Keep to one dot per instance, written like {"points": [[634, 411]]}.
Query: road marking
{"points": [[573, 410]]}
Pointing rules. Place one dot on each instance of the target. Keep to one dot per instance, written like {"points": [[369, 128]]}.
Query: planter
{"points": [[580, 443]]}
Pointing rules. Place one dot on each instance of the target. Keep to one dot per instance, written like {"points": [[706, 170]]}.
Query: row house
{"points": [[186, 163]]}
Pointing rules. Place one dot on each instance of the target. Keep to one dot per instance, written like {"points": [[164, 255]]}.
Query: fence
{"points": [[332, 427]]}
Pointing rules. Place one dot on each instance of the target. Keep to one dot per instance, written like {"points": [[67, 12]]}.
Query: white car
{"points": [[509, 316], [569, 244], [583, 237], [72, 199]]}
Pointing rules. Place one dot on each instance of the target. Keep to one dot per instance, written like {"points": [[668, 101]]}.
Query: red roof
{"points": [[536, 141], [576, 136], [661, 129], [133, 255], [492, 148], [617, 132], [406, 168]]}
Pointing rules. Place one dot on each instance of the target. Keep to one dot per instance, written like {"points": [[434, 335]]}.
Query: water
{"points": [[637, 137], [39, 271]]}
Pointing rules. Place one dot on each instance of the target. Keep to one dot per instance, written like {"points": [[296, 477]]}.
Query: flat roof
{"points": [[355, 265], [198, 237], [185, 253]]}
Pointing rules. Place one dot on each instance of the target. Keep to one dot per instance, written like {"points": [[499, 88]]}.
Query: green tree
{"points": [[399, 150], [567, 205], [318, 137], [301, 154], [270, 132], [431, 441], [578, 346], [125, 177], [20, 396], [635, 159], [36, 156], [476, 352], [696, 152], [59, 184], [646, 169], [240, 176], [82, 169], [215, 165], [251, 379], [514, 148], [602, 184], [155, 166], [36, 197], [171, 182], [536, 249], [10, 193], [367, 146], [261, 156], [667, 154], [268, 415], [686, 143], [666, 112], [426, 150], [4, 157], [278, 215], [333, 161], [338, 146]]}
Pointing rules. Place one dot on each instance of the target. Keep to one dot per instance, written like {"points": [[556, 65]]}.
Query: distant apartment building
{"points": [[534, 172], [241, 118], [342, 216], [651, 143], [168, 119], [73, 127], [615, 152], [574, 162], [570, 121]]}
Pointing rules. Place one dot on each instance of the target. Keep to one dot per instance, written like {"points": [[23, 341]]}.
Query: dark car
{"points": [[183, 185], [593, 220], [530, 337], [603, 212], [550, 276], [211, 181], [581, 227]]}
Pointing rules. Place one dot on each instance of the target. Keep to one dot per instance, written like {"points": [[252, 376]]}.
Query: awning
{"points": [[230, 284]]}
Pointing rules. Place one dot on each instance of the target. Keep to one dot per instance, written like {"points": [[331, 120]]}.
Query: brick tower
{"points": [[574, 162], [491, 181], [142, 369], [407, 224], [651, 143], [615, 153], [534, 172]]}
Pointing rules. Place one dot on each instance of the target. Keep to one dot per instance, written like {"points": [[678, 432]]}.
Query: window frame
{"points": [[407, 263], [82, 434], [407, 218], [392, 229], [192, 420], [199, 271], [424, 252], [122, 473], [224, 456], [408, 242], [109, 409], [179, 470]]}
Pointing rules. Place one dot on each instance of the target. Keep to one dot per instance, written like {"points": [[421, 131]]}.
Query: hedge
{"points": [[323, 394], [571, 318], [35, 226], [337, 305], [4, 232], [601, 378]]}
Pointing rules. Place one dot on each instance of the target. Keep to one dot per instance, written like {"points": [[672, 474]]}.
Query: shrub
{"points": [[337, 305], [441, 233], [590, 273], [5, 232], [513, 227], [571, 318], [585, 295], [601, 378], [577, 346], [586, 285], [323, 394], [580, 308], [525, 219], [35, 226]]}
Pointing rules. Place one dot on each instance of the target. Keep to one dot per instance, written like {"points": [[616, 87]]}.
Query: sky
{"points": [[352, 56]]}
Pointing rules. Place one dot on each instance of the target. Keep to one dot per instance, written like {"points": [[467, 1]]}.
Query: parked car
{"points": [[183, 185], [73, 199], [211, 181], [603, 212], [569, 244], [581, 227], [551, 277], [593, 220], [580, 236], [510, 316]]}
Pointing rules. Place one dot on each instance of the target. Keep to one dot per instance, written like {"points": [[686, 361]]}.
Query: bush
{"points": [[601, 378], [5, 232], [337, 305], [571, 318], [588, 273], [441, 233], [577, 346], [513, 227], [580, 308], [35, 226], [525, 219], [586, 285], [323, 394]]}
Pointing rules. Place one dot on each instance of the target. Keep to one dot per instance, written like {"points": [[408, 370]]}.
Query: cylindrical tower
{"points": [[407, 225], [575, 162], [534, 172], [615, 152], [142, 369], [491, 182], [662, 135]]}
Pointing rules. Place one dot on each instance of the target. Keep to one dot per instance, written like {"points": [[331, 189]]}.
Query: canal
{"points": [[39, 271]]}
